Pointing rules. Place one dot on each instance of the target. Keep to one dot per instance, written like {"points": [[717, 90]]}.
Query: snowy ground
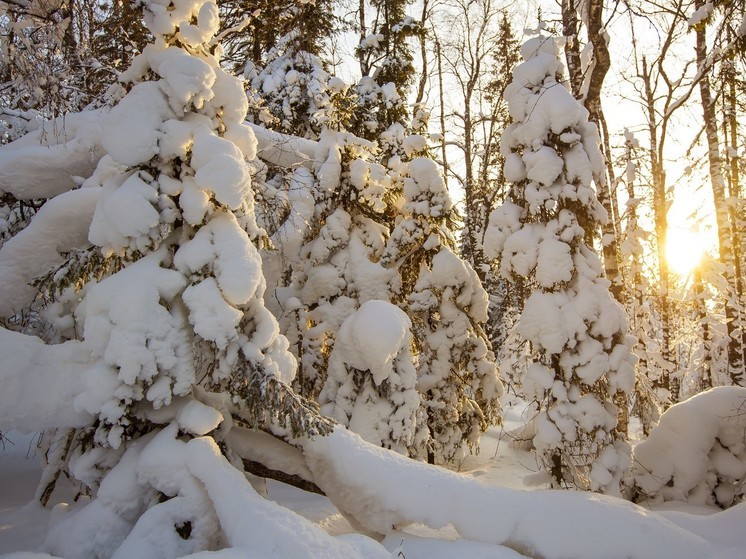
{"points": [[23, 523]]}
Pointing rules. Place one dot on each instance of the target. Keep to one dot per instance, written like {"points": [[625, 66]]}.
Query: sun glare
{"points": [[684, 250]]}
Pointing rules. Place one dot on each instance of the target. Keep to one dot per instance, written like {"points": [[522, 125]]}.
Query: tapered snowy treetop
{"points": [[544, 232]]}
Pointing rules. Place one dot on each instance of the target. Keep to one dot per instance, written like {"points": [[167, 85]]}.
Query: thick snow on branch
{"points": [[382, 490], [204, 495], [284, 150], [60, 226], [51, 160], [39, 383]]}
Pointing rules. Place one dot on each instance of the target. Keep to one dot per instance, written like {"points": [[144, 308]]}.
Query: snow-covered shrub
{"points": [[371, 378], [543, 233], [697, 452]]}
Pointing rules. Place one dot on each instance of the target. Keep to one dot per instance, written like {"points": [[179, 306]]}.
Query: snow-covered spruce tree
{"points": [[386, 67], [178, 350], [383, 233], [291, 90], [442, 294], [337, 285], [544, 232]]}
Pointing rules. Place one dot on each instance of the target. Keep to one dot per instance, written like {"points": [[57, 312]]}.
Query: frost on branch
{"points": [[544, 233]]}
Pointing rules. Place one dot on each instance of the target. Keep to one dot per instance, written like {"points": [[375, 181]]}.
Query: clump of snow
{"points": [[697, 452], [61, 225], [49, 161], [701, 14], [371, 377]]}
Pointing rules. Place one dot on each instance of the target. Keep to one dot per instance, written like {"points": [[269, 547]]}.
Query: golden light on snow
{"points": [[684, 250]]}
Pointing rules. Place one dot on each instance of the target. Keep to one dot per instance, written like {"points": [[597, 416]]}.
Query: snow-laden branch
{"points": [[39, 383], [61, 225], [381, 490], [283, 150], [51, 160]]}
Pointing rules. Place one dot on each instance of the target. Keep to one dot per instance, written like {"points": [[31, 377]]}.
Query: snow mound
{"points": [[697, 452]]}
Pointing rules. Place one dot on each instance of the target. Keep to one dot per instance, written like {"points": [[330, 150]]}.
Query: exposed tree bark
{"points": [[735, 192], [572, 48], [592, 101], [423, 53], [261, 470], [722, 218], [441, 100]]}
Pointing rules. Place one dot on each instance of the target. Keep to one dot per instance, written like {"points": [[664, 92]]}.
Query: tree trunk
{"points": [[660, 211], [725, 242], [735, 191], [572, 48]]}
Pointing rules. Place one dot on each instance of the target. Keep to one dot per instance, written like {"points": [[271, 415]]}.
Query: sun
{"points": [[684, 250]]}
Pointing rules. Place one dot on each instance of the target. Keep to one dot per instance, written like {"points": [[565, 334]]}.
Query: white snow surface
{"points": [[382, 490], [697, 452], [446, 514]]}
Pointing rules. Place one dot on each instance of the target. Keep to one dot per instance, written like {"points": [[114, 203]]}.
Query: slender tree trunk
{"points": [[703, 322], [423, 54], [572, 49], [363, 60], [660, 211], [592, 102], [441, 97], [604, 183], [725, 243], [735, 191]]}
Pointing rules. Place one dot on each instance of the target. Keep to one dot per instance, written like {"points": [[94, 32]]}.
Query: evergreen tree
{"points": [[457, 377], [544, 232], [290, 83], [180, 342], [387, 70], [384, 233]]}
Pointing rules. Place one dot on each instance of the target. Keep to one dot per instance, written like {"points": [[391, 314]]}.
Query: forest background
{"points": [[408, 316]]}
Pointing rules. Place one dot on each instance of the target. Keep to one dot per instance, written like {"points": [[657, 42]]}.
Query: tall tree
{"points": [[544, 232], [386, 65], [176, 340], [733, 310], [480, 51]]}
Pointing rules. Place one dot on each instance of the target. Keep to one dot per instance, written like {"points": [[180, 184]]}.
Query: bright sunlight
{"points": [[684, 250]]}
